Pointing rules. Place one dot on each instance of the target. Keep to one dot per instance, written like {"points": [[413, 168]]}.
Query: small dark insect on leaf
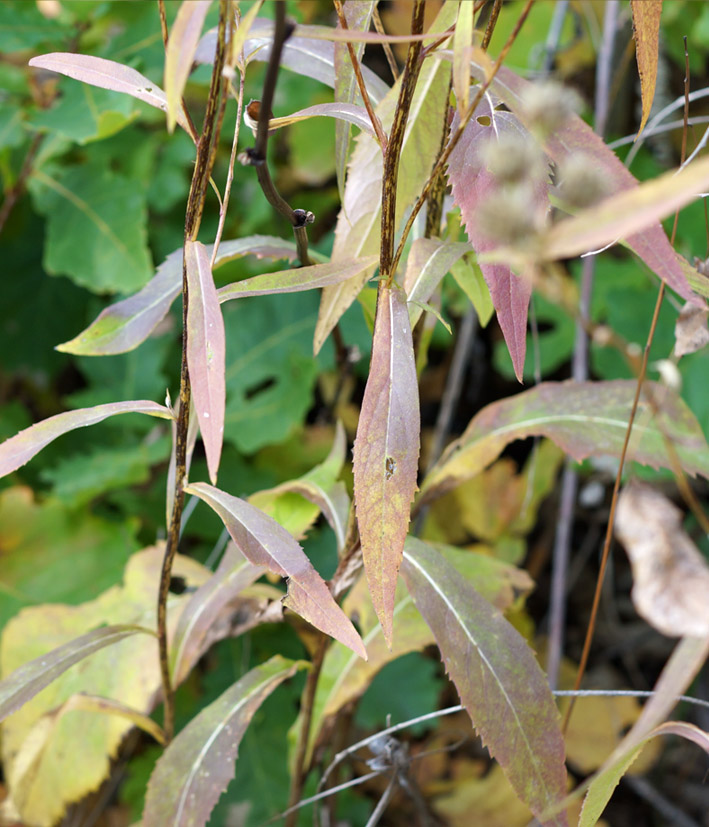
{"points": [[390, 467]]}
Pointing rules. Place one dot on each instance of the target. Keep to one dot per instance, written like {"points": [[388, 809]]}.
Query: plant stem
{"points": [[393, 150], [256, 156], [491, 23], [299, 772], [206, 154]]}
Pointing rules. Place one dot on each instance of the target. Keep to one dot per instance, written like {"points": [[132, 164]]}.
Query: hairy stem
{"points": [[206, 153]]}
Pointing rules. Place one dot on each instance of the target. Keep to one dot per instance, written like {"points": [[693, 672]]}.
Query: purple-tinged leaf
{"points": [[179, 53], [686, 660], [472, 185], [358, 14], [301, 278], [107, 74], [265, 543], [302, 55], [197, 767], [206, 352], [24, 683], [576, 137], [584, 419], [207, 617], [127, 323], [687, 731], [20, 449], [347, 112], [386, 452], [499, 681], [429, 260]]}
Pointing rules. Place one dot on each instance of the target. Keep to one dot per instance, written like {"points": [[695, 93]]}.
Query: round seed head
{"points": [[511, 158], [548, 105], [509, 216], [580, 182]]}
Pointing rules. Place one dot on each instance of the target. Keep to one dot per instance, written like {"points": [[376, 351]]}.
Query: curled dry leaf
{"points": [[671, 578], [691, 333]]}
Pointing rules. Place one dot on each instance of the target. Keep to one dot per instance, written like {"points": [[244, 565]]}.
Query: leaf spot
{"points": [[390, 467]]}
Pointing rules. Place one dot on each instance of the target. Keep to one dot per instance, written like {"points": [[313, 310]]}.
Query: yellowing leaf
{"points": [[127, 672], [646, 29], [179, 54], [386, 452]]}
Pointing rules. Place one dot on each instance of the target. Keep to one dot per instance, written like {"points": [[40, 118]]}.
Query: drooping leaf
{"points": [[691, 332], [670, 575], [650, 244], [127, 323], [386, 451], [199, 626], [358, 224], [265, 543], [96, 227], [179, 54], [646, 30], [470, 279], [347, 112], [358, 14], [321, 488], [128, 672], [197, 766], [472, 185], [24, 683], [345, 677], [497, 677], [429, 260], [19, 449], [301, 54], [301, 278], [107, 74], [584, 419], [686, 660], [206, 351]]}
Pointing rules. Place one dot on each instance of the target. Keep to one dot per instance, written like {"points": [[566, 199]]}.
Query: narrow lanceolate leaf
{"points": [[462, 49], [497, 677], [386, 452], [358, 224], [19, 449], [358, 14], [472, 185], [199, 624], [576, 137], [127, 323], [679, 672], [429, 260], [621, 216], [206, 352], [646, 28], [584, 419], [24, 683], [301, 278], [98, 71], [179, 54], [342, 112], [265, 543], [198, 765]]}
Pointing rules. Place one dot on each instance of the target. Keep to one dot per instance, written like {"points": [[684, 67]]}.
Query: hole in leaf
{"points": [[178, 585], [483, 120], [390, 467], [259, 388]]}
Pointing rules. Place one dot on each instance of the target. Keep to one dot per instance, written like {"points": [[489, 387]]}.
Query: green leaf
{"points": [[96, 228], [197, 766], [11, 132], [23, 26], [429, 260], [497, 677], [469, 277]]}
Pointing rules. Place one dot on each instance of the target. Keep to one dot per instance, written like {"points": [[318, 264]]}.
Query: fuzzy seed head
{"points": [[509, 217], [580, 182], [549, 105], [511, 158]]}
